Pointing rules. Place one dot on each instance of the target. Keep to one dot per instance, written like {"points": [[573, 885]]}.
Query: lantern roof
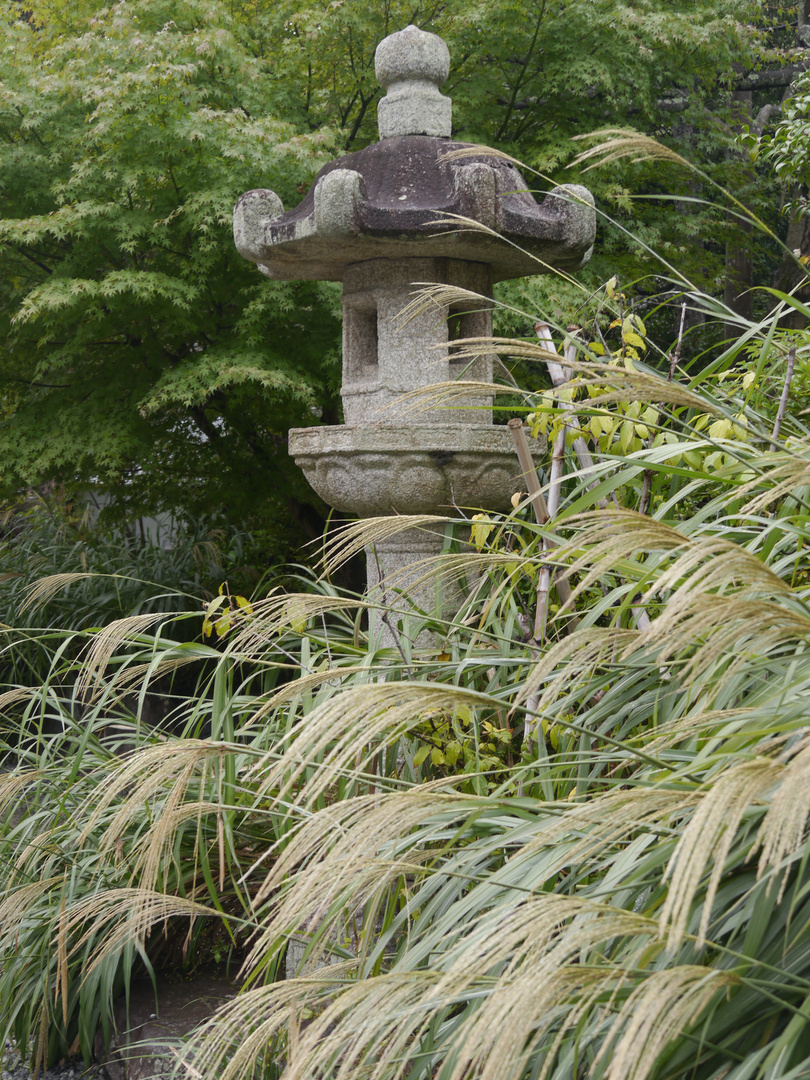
{"points": [[416, 193]]}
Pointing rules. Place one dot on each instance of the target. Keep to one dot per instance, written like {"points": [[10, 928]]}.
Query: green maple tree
{"points": [[137, 350], [136, 347]]}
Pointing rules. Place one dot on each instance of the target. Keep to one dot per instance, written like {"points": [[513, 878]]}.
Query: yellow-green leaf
{"points": [[629, 338], [213, 607], [480, 530], [720, 429], [420, 755], [626, 435]]}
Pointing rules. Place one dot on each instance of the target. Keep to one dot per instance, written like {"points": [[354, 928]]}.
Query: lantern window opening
{"points": [[361, 347]]}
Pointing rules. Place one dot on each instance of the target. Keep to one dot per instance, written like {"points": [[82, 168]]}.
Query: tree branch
{"points": [[765, 114], [26, 255]]}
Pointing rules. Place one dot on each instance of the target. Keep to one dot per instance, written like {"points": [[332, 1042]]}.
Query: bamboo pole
{"points": [[560, 374], [524, 456]]}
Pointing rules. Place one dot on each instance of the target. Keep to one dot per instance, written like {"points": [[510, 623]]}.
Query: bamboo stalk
{"points": [[535, 490], [783, 400], [544, 580], [559, 375], [676, 355], [557, 372], [556, 474], [530, 476]]}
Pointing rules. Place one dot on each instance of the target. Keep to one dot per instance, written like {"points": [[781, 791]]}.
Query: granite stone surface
{"points": [[418, 228], [405, 198], [416, 469], [411, 66]]}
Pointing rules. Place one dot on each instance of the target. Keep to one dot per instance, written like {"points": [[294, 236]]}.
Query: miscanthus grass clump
{"points": [[568, 838]]}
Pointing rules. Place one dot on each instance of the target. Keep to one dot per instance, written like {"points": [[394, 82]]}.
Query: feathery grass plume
{"points": [[19, 693], [346, 732], [251, 1029], [144, 778], [617, 144], [700, 562], [141, 675], [15, 903], [657, 1011], [782, 833], [781, 474], [541, 948], [718, 724], [313, 680], [538, 946], [612, 819], [129, 912], [708, 838], [351, 539], [352, 850], [444, 395], [718, 627], [610, 535], [356, 536], [44, 590], [14, 785], [438, 298], [496, 1021], [607, 383], [713, 564], [344, 845], [151, 856], [475, 151], [574, 661], [619, 384], [103, 645]]}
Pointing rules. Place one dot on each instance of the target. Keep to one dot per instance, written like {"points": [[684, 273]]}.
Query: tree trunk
{"points": [[739, 272], [790, 274]]}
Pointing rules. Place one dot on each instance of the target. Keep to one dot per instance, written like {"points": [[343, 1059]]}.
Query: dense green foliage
{"points": [[138, 352], [136, 345]]}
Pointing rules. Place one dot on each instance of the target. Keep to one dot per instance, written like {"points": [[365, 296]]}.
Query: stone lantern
{"points": [[384, 221]]}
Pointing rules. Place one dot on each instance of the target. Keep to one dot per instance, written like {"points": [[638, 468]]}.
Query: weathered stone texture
{"points": [[403, 469], [386, 354], [411, 210], [411, 66]]}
